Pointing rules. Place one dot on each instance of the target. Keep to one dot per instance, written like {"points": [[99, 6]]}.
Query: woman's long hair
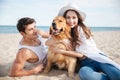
{"points": [[74, 31]]}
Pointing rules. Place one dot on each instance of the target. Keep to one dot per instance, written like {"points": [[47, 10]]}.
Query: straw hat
{"points": [[72, 7]]}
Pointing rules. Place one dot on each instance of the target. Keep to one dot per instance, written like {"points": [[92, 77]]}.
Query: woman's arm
{"points": [[50, 42], [69, 53]]}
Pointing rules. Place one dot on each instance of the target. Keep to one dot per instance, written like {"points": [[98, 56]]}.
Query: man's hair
{"points": [[23, 22]]}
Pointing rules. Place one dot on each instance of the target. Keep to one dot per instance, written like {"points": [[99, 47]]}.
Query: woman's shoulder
{"points": [[80, 31]]}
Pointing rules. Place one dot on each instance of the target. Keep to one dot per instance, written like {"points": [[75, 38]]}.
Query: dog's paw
{"points": [[71, 75]]}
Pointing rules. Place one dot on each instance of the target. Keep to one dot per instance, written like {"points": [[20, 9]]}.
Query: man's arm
{"points": [[43, 33], [18, 65]]}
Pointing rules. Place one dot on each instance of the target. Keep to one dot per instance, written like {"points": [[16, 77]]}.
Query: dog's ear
{"points": [[68, 30], [50, 31]]}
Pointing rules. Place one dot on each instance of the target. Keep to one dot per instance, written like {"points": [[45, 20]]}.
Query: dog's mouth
{"points": [[57, 31]]}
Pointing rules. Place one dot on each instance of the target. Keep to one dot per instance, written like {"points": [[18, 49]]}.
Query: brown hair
{"points": [[74, 31], [23, 22]]}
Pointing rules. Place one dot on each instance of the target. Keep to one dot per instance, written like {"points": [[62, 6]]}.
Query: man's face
{"points": [[30, 32]]}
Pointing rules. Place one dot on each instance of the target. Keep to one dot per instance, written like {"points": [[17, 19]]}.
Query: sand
{"points": [[108, 42]]}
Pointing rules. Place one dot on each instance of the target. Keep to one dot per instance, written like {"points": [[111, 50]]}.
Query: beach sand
{"points": [[108, 42]]}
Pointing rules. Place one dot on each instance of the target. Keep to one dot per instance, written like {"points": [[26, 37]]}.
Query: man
{"points": [[31, 49]]}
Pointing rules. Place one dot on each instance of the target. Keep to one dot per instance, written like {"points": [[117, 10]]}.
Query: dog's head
{"points": [[59, 27]]}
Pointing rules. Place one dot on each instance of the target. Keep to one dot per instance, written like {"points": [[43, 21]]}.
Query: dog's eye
{"points": [[60, 20]]}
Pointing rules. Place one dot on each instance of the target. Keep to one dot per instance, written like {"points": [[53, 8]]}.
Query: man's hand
{"points": [[38, 68]]}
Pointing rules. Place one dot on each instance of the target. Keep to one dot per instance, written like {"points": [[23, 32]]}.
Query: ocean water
{"points": [[12, 29]]}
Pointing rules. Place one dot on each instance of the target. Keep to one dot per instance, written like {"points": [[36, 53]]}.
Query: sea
{"points": [[6, 29]]}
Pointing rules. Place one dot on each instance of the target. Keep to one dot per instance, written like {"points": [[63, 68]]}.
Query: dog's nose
{"points": [[54, 25]]}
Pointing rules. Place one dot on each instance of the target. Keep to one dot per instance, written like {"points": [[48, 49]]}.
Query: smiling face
{"points": [[59, 28], [71, 18], [30, 32], [58, 25]]}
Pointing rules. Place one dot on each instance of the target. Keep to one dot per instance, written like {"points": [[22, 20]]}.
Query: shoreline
{"points": [[106, 41]]}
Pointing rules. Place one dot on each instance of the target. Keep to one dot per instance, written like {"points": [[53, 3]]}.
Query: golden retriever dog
{"points": [[60, 32]]}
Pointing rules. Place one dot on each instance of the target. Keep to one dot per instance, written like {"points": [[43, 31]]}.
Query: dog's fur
{"points": [[61, 34]]}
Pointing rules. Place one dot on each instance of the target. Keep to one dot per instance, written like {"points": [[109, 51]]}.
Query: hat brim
{"points": [[64, 9]]}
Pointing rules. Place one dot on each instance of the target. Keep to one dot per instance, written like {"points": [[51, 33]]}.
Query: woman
{"points": [[95, 65]]}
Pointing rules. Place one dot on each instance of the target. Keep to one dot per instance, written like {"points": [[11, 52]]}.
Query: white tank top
{"points": [[38, 50]]}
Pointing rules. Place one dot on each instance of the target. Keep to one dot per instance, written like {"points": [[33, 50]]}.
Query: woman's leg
{"points": [[112, 72], [88, 73]]}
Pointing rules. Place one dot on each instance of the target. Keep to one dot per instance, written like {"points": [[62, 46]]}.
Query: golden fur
{"points": [[61, 34]]}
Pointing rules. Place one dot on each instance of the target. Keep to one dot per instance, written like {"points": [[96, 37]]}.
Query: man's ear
{"points": [[22, 33]]}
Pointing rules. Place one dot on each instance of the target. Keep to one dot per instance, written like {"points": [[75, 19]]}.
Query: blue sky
{"points": [[99, 12]]}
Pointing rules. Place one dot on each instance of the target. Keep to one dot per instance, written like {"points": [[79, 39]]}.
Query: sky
{"points": [[98, 12]]}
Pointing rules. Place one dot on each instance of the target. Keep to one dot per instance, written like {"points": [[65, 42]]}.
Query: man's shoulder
{"points": [[24, 51]]}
